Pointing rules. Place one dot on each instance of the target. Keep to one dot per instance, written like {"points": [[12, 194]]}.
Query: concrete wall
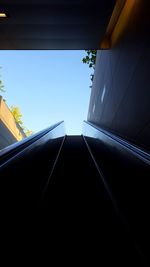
{"points": [[10, 131], [120, 97], [6, 137]]}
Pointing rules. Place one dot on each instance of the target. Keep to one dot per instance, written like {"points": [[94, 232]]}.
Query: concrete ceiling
{"points": [[54, 24]]}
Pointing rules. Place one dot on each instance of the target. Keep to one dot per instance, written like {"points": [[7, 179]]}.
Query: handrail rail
{"points": [[94, 130], [18, 146]]}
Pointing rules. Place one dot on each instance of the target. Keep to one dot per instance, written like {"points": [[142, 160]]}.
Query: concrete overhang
{"points": [[54, 24]]}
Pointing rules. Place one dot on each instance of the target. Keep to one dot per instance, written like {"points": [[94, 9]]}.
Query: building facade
{"points": [[120, 97], [10, 131]]}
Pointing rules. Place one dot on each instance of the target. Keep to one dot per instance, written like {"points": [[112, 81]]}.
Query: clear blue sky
{"points": [[48, 86]]}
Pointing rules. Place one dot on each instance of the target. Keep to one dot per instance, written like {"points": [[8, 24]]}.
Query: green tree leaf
{"points": [[90, 59], [1, 84], [17, 114]]}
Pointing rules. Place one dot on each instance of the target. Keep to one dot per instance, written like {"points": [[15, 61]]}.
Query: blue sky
{"points": [[48, 86]]}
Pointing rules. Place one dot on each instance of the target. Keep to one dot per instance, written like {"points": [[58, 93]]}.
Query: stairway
{"points": [[61, 178], [75, 186]]}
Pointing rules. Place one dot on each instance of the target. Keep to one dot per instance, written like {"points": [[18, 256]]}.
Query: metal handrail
{"points": [[97, 132], [14, 149]]}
